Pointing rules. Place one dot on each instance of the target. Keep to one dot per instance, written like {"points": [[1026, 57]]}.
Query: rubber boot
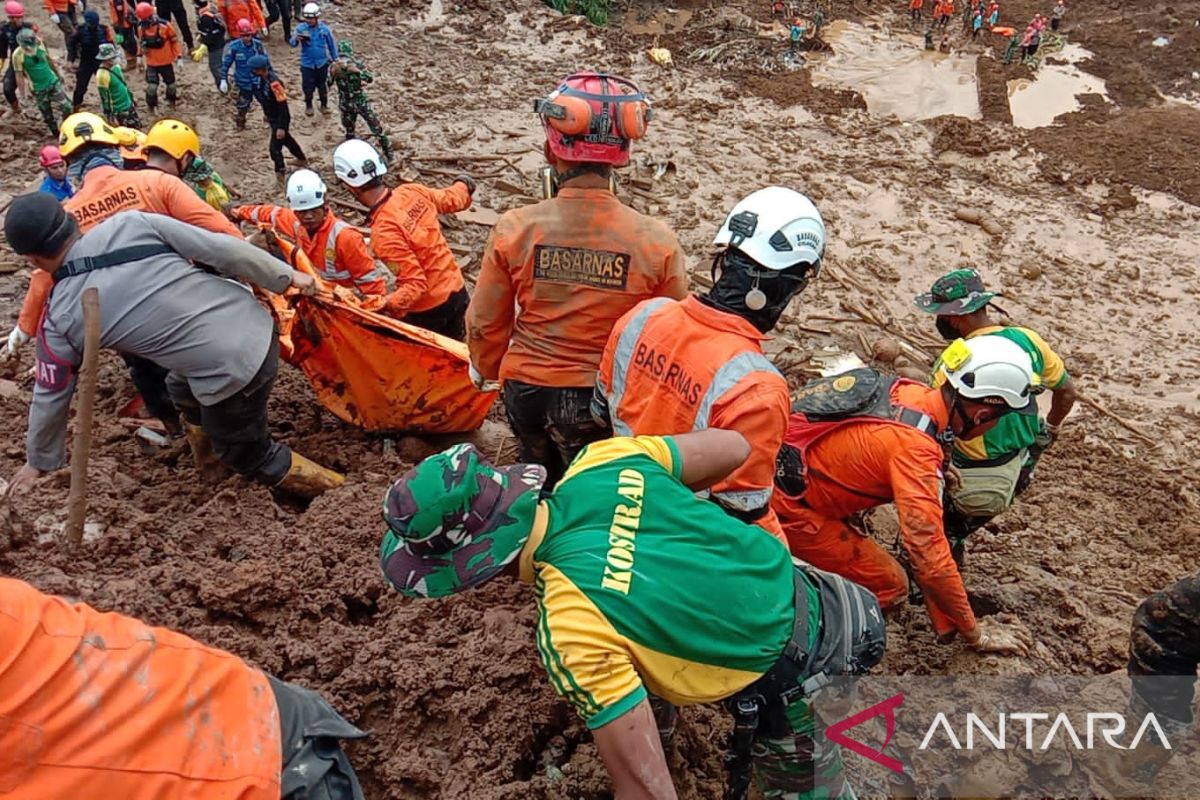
{"points": [[207, 463], [239, 121], [306, 478]]}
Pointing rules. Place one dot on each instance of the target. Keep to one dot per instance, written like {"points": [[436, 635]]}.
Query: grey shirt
{"points": [[208, 329]]}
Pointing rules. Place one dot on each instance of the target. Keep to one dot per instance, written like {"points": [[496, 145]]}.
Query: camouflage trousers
{"points": [[794, 761], [359, 105], [47, 99], [128, 118]]}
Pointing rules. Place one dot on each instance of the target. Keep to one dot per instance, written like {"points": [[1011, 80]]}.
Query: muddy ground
{"points": [[1098, 253]]}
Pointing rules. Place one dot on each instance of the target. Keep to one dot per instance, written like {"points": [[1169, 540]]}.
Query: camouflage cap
{"points": [[455, 521], [955, 293]]}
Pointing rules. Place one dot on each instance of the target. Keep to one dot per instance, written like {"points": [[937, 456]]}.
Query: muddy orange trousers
{"points": [[837, 546]]}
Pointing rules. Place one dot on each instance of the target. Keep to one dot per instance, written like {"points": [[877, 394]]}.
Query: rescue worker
{"points": [[234, 10], [62, 14], [676, 366], [407, 237], [160, 307], [38, 72], [168, 9], [208, 184], [91, 149], [171, 146], [211, 29], [641, 587], [238, 55], [56, 183], [997, 466], [12, 27], [349, 75], [280, 10], [130, 148], [317, 51], [336, 249], [557, 275], [160, 49], [83, 49], [122, 16], [115, 98], [73, 674], [859, 440], [271, 94]]}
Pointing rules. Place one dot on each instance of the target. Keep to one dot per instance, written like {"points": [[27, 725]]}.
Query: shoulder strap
{"points": [[123, 255]]}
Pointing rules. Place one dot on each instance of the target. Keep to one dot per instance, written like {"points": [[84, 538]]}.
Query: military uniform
{"points": [[352, 99]]}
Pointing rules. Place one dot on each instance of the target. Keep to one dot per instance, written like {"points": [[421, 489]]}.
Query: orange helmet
{"points": [[144, 11], [593, 118]]}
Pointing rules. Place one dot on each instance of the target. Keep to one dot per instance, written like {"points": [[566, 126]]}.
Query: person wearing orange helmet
{"points": [[160, 50], [56, 182], [558, 274], [9, 31]]}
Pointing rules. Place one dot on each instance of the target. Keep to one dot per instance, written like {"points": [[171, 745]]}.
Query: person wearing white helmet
{"points": [[861, 439], [335, 247], [672, 366], [318, 49], [407, 237]]}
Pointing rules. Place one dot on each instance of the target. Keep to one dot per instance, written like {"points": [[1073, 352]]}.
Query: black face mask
{"points": [[946, 329], [736, 280]]}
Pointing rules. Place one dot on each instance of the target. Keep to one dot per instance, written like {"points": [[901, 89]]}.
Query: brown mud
{"points": [[1098, 253]]}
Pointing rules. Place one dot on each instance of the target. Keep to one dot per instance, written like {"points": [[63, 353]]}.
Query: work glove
{"points": [[469, 181], [477, 380], [55, 18], [224, 86], [16, 340]]}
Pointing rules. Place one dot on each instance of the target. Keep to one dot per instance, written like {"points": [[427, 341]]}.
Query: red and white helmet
{"points": [[13, 9], [593, 117], [49, 156]]}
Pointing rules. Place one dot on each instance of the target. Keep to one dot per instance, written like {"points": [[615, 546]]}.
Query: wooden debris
{"points": [[1117, 418], [479, 215]]}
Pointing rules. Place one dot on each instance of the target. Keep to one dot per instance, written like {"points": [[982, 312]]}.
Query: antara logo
{"points": [[886, 708], [1108, 724]]}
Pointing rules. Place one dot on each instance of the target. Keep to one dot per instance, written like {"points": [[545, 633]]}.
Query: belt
{"points": [[998, 461], [123, 255]]}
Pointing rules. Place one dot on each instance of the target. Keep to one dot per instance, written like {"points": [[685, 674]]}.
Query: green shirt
{"points": [[1013, 432], [641, 584], [114, 92], [36, 67]]}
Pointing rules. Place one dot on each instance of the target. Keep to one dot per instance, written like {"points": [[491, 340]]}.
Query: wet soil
{"points": [[1098, 252]]}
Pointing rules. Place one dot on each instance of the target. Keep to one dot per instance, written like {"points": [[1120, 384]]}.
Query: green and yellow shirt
{"points": [[641, 585], [1014, 431]]}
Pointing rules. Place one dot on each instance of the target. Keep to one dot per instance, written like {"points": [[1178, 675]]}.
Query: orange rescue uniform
{"points": [[159, 56], [861, 465], [56, 6], [407, 237], [337, 250], [106, 191], [102, 705], [574, 265], [676, 366], [233, 10]]}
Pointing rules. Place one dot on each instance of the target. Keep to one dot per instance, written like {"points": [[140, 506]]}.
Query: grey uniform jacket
{"points": [[208, 329]]}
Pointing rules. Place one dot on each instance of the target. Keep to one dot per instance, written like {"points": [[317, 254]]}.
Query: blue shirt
{"points": [[318, 49], [60, 189], [239, 53]]}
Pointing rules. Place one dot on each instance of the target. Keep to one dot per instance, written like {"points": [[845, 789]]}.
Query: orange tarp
{"points": [[373, 371]]}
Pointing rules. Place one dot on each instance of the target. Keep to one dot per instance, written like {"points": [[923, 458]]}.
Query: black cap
{"points": [[36, 224]]}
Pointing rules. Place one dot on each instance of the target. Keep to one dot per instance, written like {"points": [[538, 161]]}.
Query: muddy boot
{"points": [[207, 463], [307, 478], [239, 121], [308, 110]]}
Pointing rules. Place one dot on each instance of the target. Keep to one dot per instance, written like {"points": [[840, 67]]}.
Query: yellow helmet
{"points": [[173, 137], [131, 140], [84, 128]]}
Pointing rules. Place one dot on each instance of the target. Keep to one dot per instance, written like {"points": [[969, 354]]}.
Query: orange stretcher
{"points": [[372, 371]]}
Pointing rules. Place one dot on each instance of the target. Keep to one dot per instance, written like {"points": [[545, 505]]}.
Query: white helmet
{"points": [[776, 227], [305, 190], [992, 369], [310, 10], [355, 163]]}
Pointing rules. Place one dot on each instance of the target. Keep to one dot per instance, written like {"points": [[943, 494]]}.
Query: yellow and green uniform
{"points": [[1013, 432], [640, 585], [115, 97]]}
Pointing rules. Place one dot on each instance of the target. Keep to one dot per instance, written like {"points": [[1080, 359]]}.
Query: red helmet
{"points": [[144, 11], [244, 27], [593, 118], [14, 9], [49, 156]]}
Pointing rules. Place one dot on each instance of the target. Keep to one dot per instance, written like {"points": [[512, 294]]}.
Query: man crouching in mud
{"points": [[641, 586], [102, 705]]}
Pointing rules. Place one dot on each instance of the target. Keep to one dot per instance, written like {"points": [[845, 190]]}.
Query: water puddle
{"points": [[895, 74], [665, 21], [1055, 89]]}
